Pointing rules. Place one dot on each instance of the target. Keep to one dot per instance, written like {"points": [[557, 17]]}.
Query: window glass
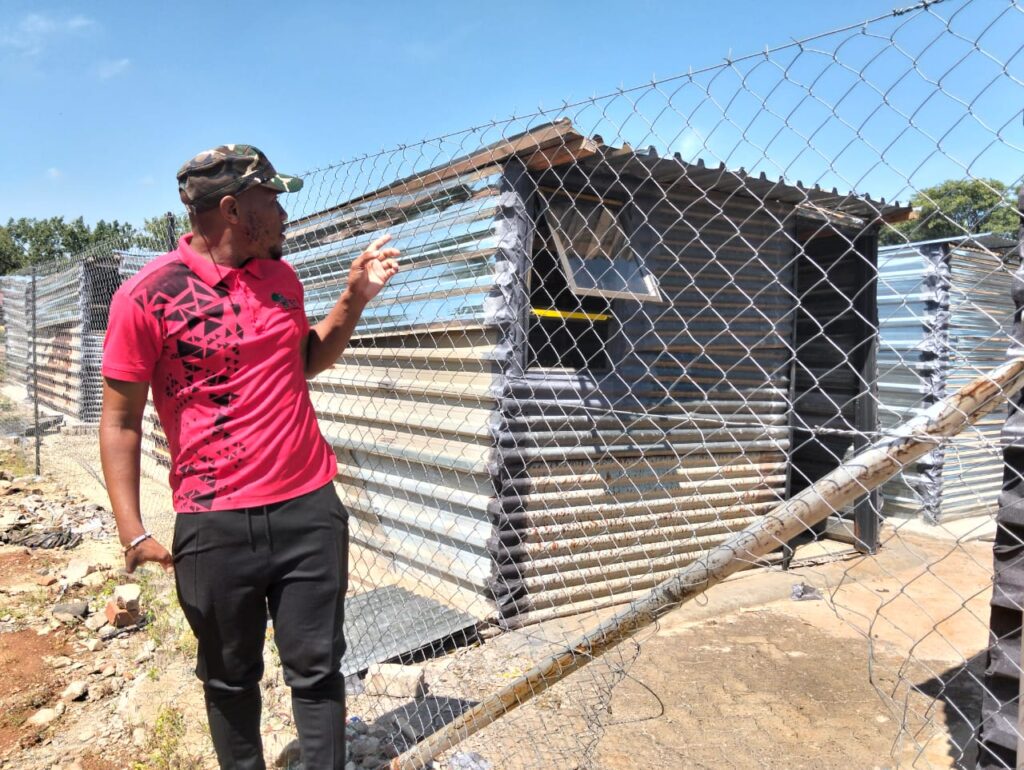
{"points": [[595, 251]]}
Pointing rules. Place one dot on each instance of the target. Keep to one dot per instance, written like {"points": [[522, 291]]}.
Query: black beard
{"points": [[276, 253]]}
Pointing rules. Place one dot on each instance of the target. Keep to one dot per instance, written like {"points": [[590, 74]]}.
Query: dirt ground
{"points": [[882, 672]]}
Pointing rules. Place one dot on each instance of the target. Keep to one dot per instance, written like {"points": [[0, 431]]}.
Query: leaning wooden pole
{"points": [[854, 478]]}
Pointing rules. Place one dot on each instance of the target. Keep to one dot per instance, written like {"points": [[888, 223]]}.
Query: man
{"points": [[217, 327]]}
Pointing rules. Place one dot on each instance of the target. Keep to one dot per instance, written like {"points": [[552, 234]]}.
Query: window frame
{"points": [[650, 282]]}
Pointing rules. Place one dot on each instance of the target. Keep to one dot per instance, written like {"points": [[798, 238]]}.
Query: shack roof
{"points": [[557, 145], [995, 242]]}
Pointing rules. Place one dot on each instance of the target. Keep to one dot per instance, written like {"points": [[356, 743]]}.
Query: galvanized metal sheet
{"points": [[389, 622]]}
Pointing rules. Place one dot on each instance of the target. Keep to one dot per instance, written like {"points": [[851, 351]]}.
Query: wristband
{"points": [[135, 541]]}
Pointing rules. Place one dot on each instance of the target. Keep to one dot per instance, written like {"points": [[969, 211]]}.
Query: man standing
{"points": [[217, 327]]}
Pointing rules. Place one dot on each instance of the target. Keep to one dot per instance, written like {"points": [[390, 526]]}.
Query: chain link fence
{"points": [[624, 331]]}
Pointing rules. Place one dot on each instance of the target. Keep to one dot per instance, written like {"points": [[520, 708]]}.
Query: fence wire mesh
{"points": [[624, 331]]}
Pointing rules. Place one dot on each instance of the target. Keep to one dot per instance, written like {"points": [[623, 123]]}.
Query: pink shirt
{"points": [[219, 347]]}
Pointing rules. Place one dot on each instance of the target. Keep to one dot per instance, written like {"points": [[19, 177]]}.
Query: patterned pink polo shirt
{"points": [[219, 347]]}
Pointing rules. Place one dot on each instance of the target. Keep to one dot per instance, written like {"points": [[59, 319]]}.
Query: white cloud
{"points": [[110, 69], [31, 34], [35, 24], [79, 22], [147, 181], [53, 173]]}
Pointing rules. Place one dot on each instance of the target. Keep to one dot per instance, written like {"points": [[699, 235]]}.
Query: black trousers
{"points": [[232, 569]]}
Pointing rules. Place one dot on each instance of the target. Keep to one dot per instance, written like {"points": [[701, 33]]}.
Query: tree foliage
{"points": [[958, 207], [24, 241]]}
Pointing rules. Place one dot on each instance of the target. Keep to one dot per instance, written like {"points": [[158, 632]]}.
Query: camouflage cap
{"points": [[229, 170]]}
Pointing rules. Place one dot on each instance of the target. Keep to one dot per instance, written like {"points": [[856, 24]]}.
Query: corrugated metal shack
{"points": [[17, 298], [71, 320], [944, 317], [156, 461], [585, 376]]}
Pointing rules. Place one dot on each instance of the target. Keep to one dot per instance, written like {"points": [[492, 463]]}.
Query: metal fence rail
{"points": [[624, 331]]}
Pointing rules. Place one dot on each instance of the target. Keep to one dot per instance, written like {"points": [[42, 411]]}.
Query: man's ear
{"points": [[229, 209]]}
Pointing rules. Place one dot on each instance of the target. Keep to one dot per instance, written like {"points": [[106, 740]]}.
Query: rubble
{"points": [[468, 760], [36, 521], [77, 690], [395, 681], [42, 717], [77, 569], [127, 596], [803, 592], [70, 612]]}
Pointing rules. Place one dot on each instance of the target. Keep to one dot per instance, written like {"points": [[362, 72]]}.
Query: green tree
{"points": [[12, 256], [154, 233], [958, 207], [105, 231], [25, 240]]}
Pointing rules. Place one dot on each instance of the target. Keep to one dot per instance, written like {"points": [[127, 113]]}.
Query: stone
{"points": [[468, 760], [103, 688], [108, 671], [75, 765], [93, 580], [127, 596], [108, 632], [93, 645], [408, 732], [77, 690], [60, 661], [395, 681], [96, 621], [139, 737], [42, 717], [119, 617], [70, 611], [365, 747], [78, 569], [46, 580]]}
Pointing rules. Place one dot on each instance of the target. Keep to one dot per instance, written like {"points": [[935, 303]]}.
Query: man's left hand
{"points": [[372, 270]]}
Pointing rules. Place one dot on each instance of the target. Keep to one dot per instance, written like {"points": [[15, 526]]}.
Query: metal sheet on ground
{"points": [[389, 622]]}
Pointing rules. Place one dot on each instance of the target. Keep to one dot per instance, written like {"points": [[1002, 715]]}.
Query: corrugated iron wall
{"points": [[627, 474], [17, 320], [156, 459], [72, 319], [980, 320], [943, 317], [410, 407]]}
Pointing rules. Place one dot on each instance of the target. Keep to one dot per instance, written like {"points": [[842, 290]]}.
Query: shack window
{"points": [[595, 251]]}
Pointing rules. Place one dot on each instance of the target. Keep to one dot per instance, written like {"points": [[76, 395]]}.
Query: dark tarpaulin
{"points": [[998, 734]]}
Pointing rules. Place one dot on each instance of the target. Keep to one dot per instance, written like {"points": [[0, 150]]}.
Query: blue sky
{"points": [[105, 100]]}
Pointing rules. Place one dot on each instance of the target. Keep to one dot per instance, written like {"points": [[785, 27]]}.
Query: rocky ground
{"points": [[96, 665]]}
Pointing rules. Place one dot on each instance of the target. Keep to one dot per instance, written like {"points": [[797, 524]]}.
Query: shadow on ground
{"points": [[959, 689]]}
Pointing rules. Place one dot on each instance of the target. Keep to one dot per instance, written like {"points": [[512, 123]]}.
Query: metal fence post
{"points": [[172, 241]]}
